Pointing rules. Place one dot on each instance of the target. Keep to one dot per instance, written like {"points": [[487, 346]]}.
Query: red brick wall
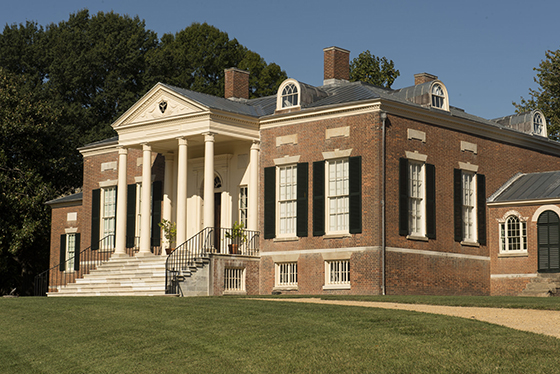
{"points": [[251, 266], [336, 64], [59, 223]]}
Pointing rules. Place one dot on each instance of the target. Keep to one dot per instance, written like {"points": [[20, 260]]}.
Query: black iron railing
{"points": [[203, 243]]}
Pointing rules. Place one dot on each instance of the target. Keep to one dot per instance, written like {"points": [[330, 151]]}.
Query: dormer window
{"points": [[538, 124], [438, 96], [290, 96]]}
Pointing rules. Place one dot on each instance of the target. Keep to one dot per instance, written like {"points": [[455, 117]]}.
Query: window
{"points": [[243, 205], [337, 198], [286, 274], [290, 96], [138, 218], [108, 213], [234, 280], [538, 124], [513, 235], [438, 96], [469, 206], [337, 274], [70, 251], [417, 199], [287, 200]]}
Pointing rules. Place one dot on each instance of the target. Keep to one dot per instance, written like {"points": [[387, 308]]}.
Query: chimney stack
{"points": [[336, 65], [423, 78], [236, 84]]}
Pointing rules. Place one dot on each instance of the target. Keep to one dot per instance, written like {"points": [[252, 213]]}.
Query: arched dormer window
{"points": [[289, 95], [539, 124], [438, 96]]}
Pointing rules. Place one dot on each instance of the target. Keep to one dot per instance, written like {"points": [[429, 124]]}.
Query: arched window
{"points": [[290, 96], [513, 234], [438, 96], [538, 124]]}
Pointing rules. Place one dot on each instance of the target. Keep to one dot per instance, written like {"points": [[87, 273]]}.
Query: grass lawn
{"points": [[230, 335]]}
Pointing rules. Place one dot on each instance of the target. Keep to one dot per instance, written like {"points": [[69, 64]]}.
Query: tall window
{"points": [[287, 199], [108, 213], [338, 207], [468, 206], [243, 205], [416, 198], [138, 215], [286, 274], [70, 251], [513, 235], [290, 96], [438, 96]]}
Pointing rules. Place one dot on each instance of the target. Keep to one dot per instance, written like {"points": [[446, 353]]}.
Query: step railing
{"points": [[75, 267], [200, 246]]}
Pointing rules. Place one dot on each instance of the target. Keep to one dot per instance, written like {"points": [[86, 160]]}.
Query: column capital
{"points": [[208, 136], [182, 141], [122, 150], [256, 145], [146, 147]]}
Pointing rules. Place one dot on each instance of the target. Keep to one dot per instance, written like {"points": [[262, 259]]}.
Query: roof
{"points": [[526, 187], [67, 199]]}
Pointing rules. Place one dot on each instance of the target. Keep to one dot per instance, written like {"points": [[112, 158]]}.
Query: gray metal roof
{"points": [[533, 186], [67, 199]]}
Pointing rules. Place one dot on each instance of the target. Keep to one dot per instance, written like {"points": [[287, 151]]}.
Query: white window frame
{"points": [[337, 194], [286, 275], [512, 237], [138, 224], [288, 95], [469, 204], [108, 216], [234, 280], [337, 274], [70, 253], [438, 96], [286, 201], [416, 198], [539, 124], [243, 205]]}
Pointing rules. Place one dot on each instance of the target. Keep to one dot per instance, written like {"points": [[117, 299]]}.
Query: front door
{"points": [[548, 226], [217, 220]]}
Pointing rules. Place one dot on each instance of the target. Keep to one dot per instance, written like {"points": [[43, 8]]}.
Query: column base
{"points": [[144, 254], [119, 255]]}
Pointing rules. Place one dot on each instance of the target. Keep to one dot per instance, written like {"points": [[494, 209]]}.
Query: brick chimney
{"points": [[336, 65], [423, 78], [237, 83]]}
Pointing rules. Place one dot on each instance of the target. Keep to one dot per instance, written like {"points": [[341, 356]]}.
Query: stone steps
{"points": [[544, 285], [129, 276]]}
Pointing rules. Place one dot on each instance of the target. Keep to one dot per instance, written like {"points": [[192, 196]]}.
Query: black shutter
{"points": [[458, 204], [270, 202], [319, 198], [430, 201], [157, 198], [481, 208], [77, 252], [355, 196], [95, 218], [403, 196], [62, 265], [130, 215], [302, 198]]}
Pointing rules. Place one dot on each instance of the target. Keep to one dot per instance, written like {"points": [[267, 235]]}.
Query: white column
{"points": [[182, 192], [146, 201], [120, 232], [208, 180], [253, 187], [167, 193]]}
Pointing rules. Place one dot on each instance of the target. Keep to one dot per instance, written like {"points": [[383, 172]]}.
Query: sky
{"points": [[483, 51]]}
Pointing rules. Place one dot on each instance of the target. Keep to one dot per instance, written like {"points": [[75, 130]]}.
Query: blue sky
{"points": [[483, 51]]}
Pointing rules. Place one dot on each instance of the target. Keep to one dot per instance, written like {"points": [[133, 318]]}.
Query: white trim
{"points": [[287, 82], [112, 165], [286, 139], [337, 153], [413, 134], [525, 202], [437, 254], [544, 208], [469, 147], [445, 95], [286, 160], [416, 156], [108, 183], [71, 230], [509, 276], [320, 251], [468, 167], [288, 257], [337, 132]]}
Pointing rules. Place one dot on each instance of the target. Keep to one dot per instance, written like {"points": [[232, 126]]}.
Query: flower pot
{"points": [[233, 248], [169, 250]]}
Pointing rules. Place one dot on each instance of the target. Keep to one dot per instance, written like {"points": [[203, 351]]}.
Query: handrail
{"points": [[200, 245]]}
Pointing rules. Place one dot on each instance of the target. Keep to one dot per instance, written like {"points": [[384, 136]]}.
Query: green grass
{"points": [[230, 335]]}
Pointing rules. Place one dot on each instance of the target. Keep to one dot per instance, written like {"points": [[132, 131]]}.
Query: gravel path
{"points": [[538, 321]]}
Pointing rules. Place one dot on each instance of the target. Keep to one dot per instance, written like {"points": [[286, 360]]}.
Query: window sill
{"points": [[235, 292], [416, 237], [286, 239], [336, 286], [285, 288], [337, 236], [514, 254], [470, 244]]}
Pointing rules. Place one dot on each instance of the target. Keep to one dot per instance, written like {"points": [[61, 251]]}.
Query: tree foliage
{"points": [[63, 85], [374, 70], [547, 97]]}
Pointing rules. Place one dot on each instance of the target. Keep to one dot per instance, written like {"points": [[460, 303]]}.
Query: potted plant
{"points": [[170, 232], [236, 236]]}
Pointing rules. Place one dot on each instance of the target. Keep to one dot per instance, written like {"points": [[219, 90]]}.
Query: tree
{"points": [[195, 59], [374, 70], [33, 169], [547, 97]]}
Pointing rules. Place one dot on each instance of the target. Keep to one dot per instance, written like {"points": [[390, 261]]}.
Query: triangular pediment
{"points": [[160, 102]]}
